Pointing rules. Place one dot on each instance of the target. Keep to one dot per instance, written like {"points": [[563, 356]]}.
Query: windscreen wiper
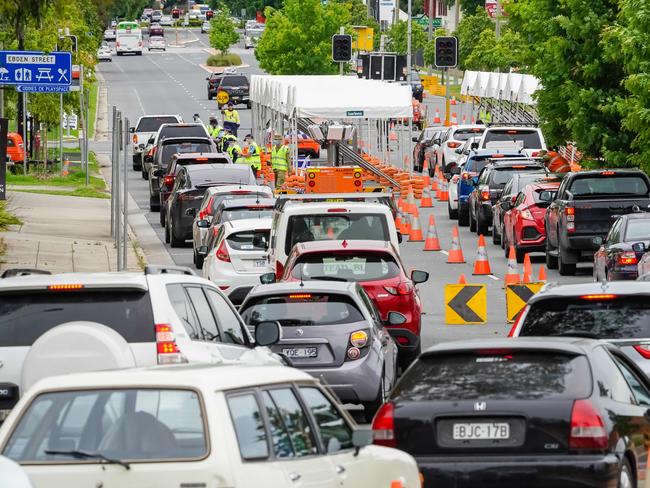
{"points": [[89, 455]]}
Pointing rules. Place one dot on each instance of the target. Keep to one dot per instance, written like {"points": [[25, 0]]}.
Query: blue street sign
{"points": [[35, 68], [42, 88]]}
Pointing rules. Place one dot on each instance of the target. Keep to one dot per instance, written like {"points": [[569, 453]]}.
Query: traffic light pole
{"points": [[447, 86]]}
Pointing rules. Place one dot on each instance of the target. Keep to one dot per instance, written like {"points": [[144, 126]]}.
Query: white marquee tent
{"points": [[514, 87]]}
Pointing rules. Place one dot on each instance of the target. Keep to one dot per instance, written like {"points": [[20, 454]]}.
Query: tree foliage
{"points": [[128, 9], [223, 33], [398, 37], [488, 54], [297, 38], [468, 32]]}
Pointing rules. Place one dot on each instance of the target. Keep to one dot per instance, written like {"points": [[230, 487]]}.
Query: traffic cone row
{"points": [[528, 269], [436, 119], [482, 265], [455, 253], [432, 243], [512, 272], [444, 193], [427, 201]]}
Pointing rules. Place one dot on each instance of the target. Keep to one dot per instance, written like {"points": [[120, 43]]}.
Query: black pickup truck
{"points": [[584, 208]]}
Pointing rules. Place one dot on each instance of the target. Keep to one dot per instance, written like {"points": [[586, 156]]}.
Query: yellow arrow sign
{"points": [[465, 304], [517, 297], [223, 97]]}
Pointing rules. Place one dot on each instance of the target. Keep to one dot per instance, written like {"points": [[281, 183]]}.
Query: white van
{"points": [[297, 221], [128, 40]]}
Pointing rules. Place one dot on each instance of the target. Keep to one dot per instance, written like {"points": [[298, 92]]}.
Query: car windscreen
{"points": [[501, 176], [637, 230], [25, 316], [495, 374], [120, 424], [234, 81], [249, 240], [358, 266], [169, 150], [246, 213], [152, 124], [302, 309], [464, 134], [528, 137], [225, 175], [306, 228], [603, 315], [612, 185]]}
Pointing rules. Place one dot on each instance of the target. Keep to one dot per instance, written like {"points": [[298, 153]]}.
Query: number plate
{"points": [[483, 431], [259, 263], [300, 352]]}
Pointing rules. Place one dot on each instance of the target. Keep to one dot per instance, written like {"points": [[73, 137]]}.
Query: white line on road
{"points": [[446, 253], [135, 90], [495, 278]]}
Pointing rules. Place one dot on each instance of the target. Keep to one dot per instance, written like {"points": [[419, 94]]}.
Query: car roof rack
{"points": [[156, 269], [14, 272]]}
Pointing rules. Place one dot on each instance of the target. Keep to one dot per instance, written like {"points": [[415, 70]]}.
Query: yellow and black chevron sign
{"points": [[465, 304], [517, 297]]}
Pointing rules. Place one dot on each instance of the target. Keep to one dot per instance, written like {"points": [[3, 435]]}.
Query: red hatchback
{"points": [[378, 268], [523, 224]]}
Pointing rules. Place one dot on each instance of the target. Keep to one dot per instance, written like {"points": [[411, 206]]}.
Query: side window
{"points": [[334, 431], [204, 313], [290, 430], [520, 199], [180, 181], [641, 393], [227, 318], [614, 385], [561, 190], [370, 305], [615, 232], [484, 176], [184, 310], [507, 190], [249, 426]]}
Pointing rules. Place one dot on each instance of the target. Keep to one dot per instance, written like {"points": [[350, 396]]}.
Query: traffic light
{"points": [[209, 14], [176, 13], [446, 52], [341, 48]]}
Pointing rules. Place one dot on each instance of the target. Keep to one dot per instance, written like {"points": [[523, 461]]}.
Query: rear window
{"points": [[246, 213], [538, 191], [619, 317], [464, 134], [249, 240], [499, 374], [302, 309], [223, 176], [504, 175], [637, 229], [152, 124], [476, 164], [528, 137], [183, 131], [307, 228], [122, 424], [607, 186], [169, 150], [218, 199], [199, 160], [24, 317], [234, 81], [346, 267]]}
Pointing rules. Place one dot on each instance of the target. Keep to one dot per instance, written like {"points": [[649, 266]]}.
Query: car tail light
{"points": [[402, 288], [518, 320], [453, 145], [587, 427], [224, 287], [168, 181], [222, 253], [135, 138], [466, 175], [570, 213], [168, 352], [485, 195], [601, 296], [643, 349], [628, 257], [69, 287], [607, 173], [383, 426], [279, 269], [359, 338], [534, 154], [337, 210]]}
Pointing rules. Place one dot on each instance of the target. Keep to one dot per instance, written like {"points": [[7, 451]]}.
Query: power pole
{"points": [[430, 31], [408, 43], [497, 16]]}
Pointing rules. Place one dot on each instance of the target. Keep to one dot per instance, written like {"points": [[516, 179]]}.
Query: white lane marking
{"points": [[135, 90], [495, 278], [446, 253]]}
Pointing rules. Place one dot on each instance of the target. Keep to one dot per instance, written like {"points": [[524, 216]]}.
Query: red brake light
{"points": [[607, 173], [453, 145], [166, 347], [513, 132], [299, 296], [587, 427], [335, 210], [240, 192], [403, 288], [603, 296], [485, 195], [497, 156], [627, 258], [222, 253], [168, 180], [383, 426], [570, 211], [519, 166], [65, 287], [534, 154], [279, 269], [200, 159], [644, 350]]}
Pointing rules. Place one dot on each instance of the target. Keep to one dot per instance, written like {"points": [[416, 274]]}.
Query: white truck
{"points": [[128, 40]]}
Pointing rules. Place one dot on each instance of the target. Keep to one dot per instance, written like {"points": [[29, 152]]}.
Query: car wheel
{"points": [[371, 407], [154, 204], [625, 476], [481, 226], [551, 261], [453, 214], [167, 234], [496, 237], [162, 216], [173, 240], [565, 269], [520, 254], [463, 216], [472, 222]]}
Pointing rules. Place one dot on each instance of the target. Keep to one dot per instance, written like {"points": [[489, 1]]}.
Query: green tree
{"points": [[471, 7], [492, 55], [297, 38], [128, 9], [223, 33], [468, 33], [398, 37]]}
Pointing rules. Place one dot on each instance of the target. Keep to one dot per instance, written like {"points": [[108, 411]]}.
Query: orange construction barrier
{"points": [[432, 242], [455, 253], [512, 273], [528, 269], [416, 230], [482, 265]]}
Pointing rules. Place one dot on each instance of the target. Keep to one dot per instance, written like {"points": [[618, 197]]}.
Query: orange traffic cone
{"points": [[455, 253], [462, 280], [416, 230], [482, 265], [444, 194], [426, 201], [432, 243], [425, 168], [454, 118], [411, 204], [453, 101], [406, 226], [398, 219], [542, 274], [436, 119], [434, 182], [512, 273], [439, 187], [528, 269], [426, 179]]}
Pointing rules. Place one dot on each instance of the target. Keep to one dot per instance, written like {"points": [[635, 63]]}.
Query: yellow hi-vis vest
{"points": [[279, 158], [253, 158]]}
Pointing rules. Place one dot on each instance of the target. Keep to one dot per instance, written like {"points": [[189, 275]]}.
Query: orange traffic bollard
{"points": [[456, 252], [482, 265]]}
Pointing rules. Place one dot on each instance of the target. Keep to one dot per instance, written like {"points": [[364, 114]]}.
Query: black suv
{"points": [[235, 85], [166, 131], [488, 186], [185, 198], [163, 155]]}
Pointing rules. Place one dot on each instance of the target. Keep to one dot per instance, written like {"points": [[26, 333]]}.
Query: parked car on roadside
{"points": [[105, 53], [206, 26]]}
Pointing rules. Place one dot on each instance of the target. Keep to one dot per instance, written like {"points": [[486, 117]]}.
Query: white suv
{"points": [[527, 138], [452, 140], [146, 127], [56, 324], [242, 425]]}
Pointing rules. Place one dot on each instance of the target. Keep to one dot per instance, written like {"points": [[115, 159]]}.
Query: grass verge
{"points": [[78, 192], [224, 60], [7, 218], [76, 178]]}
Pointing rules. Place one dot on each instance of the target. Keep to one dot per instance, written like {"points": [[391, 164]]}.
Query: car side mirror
{"points": [[414, 139], [202, 251], [474, 145], [202, 224], [208, 78], [268, 333], [459, 150], [418, 276], [148, 159], [267, 278], [639, 247], [546, 196], [131, 130], [150, 141], [190, 212], [395, 318], [361, 437]]}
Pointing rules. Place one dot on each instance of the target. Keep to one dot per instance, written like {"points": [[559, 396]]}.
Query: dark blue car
{"points": [[476, 161]]}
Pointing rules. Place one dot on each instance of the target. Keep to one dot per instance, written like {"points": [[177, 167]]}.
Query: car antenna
{"points": [[302, 283]]}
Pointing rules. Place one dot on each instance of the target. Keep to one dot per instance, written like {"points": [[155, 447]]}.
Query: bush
{"points": [[195, 22], [7, 219], [224, 60]]}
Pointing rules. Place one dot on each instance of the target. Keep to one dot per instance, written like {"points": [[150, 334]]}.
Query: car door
{"points": [[552, 215], [601, 256], [512, 216]]}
